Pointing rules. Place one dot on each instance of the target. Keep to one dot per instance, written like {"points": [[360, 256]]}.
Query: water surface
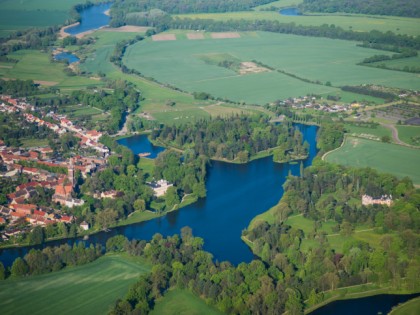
{"points": [[290, 12], [92, 18], [140, 144], [66, 56]]}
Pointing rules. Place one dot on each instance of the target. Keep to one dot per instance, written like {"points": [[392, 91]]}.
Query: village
{"points": [[311, 102], [44, 171]]}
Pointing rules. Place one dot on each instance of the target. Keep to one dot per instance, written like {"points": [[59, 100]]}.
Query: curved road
{"points": [[394, 134]]}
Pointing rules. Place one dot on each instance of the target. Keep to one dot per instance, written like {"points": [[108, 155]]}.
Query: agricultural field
{"points": [[180, 63], [388, 158], [279, 4], [355, 22], [182, 302], [22, 14], [400, 64], [377, 132], [409, 134], [87, 289], [37, 66]]}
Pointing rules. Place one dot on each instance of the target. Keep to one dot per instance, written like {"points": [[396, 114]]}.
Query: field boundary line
{"points": [[325, 154]]}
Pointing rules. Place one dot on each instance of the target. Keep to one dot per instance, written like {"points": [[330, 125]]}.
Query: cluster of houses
{"points": [[384, 200], [311, 102], [45, 171], [89, 138]]}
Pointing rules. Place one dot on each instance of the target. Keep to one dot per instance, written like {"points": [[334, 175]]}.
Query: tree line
{"points": [[185, 6], [409, 8]]}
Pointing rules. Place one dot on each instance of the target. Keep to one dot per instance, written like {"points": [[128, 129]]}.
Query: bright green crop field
{"points": [[388, 158], [88, 289], [409, 134], [355, 22], [180, 63], [21, 14], [182, 302]]}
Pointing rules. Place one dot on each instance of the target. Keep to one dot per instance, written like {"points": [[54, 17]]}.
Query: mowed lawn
{"points": [[89, 289], [180, 63], [389, 158], [411, 307], [22, 14], [182, 302]]}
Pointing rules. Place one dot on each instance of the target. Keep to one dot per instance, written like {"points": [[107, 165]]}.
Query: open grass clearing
{"points": [[280, 4], [179, 63], [36, 65], [182, 302], [388, 158], [355, 22], [377, 132], [409, 134], [87, 289]]}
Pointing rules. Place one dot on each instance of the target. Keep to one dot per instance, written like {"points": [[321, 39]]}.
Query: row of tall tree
{"points": [[408, 8]]}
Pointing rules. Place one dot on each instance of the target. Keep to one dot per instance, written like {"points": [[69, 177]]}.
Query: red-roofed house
{"points": [[24, 209], [93, 135]]}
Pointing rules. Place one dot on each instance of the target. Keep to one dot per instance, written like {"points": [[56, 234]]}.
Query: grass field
{"points": [[411, 307], [356, 22], [280, 4], [36, 65], [179, 63], [377, 132], [88, 289], [182, 302], [389, 158], [409, 134], [22, 14], [400, 64]]}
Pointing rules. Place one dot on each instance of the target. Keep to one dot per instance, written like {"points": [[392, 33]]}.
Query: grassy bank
{"points": [[389, 158], [87, 289], [182, 302]]}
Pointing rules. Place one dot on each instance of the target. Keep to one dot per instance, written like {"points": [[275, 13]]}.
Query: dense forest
{"points": [[236, 138], [408, 8], [329, 193]]}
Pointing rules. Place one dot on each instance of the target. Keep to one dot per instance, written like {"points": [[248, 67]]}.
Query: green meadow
{"points": [[355, 22], [180, 63], [182, 302], [22, 14], [36, 65], [411, 307], [87, 289], [378, 132], [388, 158], [409, 134]]}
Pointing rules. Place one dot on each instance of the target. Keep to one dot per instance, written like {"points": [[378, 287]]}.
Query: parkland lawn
{"points": [[182, 302], [180, 63], [88, 289], [388, 158]]}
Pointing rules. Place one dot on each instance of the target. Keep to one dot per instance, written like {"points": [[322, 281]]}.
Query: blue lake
{"points": [[141, 144], [91, 19], [290, 12], [66, 56], [235, 195], [371, 305]]}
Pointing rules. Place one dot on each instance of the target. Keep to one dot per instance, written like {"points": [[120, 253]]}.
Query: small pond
{"points": [[290, 12], [140, 144], [66, 56]]}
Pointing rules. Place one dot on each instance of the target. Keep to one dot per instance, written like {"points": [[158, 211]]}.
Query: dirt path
{"points": [[394, 134]]}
